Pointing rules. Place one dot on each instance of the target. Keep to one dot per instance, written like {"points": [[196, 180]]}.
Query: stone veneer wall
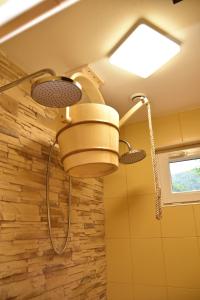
{"points": [[28, 267]]}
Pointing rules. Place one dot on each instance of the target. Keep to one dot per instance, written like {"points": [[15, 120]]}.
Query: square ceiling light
{"points": [[17, 16], [9, 9], [144, 51]]}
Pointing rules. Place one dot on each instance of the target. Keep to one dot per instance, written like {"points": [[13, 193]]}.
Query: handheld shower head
{"points": [[132, 156], [56, 91]]}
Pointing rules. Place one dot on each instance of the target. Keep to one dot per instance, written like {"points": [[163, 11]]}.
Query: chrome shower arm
{"points": [[142, 101], [30, 76], [127, 144]]}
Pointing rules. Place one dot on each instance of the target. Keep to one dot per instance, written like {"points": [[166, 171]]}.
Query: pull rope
{"points": [[56, 250], [158, 204]]}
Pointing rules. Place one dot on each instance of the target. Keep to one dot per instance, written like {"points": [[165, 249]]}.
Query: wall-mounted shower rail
{"points": [[28, 77]]}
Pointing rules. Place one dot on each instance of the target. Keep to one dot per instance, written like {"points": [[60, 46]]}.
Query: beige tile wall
{"points": [[149, 259]]}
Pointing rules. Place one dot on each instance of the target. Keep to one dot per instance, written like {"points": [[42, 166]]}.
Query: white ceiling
{"points": [[87, 32]]}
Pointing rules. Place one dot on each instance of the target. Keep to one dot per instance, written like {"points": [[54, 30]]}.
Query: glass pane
{"points": [[185, 175]]}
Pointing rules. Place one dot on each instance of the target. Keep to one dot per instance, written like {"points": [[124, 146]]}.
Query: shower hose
{"points": [[56, 250], [158, 206]]}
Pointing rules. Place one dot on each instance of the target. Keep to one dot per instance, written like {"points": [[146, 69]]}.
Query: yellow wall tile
{"points": [[150, 292], [190, 125], [119, 291], [176, 254], [148, 262], [178, 221], [142, 216], [122, 146], [182, 262], [116, 218], [119, 260], [167, 130], [196, 209], [115, 184], [140, 177], [183, 294], [137, 134]]}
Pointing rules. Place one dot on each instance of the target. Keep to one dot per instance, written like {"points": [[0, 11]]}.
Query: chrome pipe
{"points": [[127, 144], [30, 76], [142, 101]]}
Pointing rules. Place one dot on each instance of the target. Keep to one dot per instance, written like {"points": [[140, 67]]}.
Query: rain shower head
{"points": [[56, 91], [52, 91], [132, 156]]}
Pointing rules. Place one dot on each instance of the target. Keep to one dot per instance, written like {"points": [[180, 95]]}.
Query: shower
{"points": [[89, 139], [56, 91], [132, 156], [51, 91]]}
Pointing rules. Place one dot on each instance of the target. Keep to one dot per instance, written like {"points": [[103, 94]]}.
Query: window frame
{"points": [[164, 158]]}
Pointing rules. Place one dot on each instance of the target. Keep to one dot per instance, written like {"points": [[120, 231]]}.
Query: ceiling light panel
{"points": [[144, 51], [20, 27], [9, 9]]}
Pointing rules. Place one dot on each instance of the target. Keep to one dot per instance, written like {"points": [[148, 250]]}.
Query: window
{"points": [[185, 175], [179, 175]]}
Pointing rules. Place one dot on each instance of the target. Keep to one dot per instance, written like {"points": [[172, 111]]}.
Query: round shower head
{"points": [[132, 156], [56, 91]]}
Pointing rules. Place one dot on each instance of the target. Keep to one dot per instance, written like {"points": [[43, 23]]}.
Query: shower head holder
{"points": [[141, 97]]}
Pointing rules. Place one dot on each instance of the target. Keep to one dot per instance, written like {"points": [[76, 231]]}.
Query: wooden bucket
{"points": [[89, 146]]}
